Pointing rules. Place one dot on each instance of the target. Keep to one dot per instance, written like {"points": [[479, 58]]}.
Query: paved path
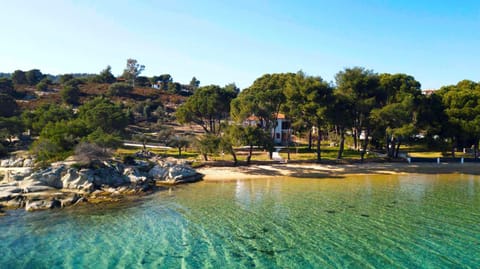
{"points": [[147, 146]]}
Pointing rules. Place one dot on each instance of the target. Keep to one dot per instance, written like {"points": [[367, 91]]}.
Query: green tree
{"points": [[263, 99], [19, 77], [10, 127], [174, 87], [162, 80], [6, 86], [106, 76], [208, 144], [207, 107], [307, 103], [37, 119], [178, 142], [42, 86], [34, 76], [119, 89], [102, 113], [8, 105], [142, 81], [194, 83], [396, 119], [133, 70], [462, 107], [65, 78], [104, 140], [70, 94], [361, 86]]}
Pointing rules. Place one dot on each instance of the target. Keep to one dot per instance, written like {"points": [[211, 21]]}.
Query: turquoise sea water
{"points": [[407, 221]]}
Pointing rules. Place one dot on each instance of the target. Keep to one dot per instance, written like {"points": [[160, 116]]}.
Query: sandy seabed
{"points": [[309, 170]]}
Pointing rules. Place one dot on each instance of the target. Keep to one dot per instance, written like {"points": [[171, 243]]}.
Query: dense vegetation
{"points": [[372, 112]]}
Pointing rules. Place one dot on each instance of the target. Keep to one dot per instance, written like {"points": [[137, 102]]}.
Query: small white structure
{"points": [[280, 133]]}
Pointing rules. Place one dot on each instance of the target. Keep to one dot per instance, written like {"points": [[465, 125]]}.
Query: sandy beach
{"points": [[309, 170]]}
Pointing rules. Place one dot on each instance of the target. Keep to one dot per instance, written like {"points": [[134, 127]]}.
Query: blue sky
{"points": [[438, 42]]}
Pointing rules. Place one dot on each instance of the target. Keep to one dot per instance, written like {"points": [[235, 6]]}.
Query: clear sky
{"points": [[437, 42]]}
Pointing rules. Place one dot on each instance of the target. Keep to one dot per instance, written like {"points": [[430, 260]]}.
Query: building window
{"points": [[278, 135]]}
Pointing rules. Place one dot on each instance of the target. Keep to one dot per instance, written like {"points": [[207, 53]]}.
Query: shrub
{"points": [[119, 89]]}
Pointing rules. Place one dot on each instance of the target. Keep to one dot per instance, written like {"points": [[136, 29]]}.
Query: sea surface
{"points": [[375, 221]]}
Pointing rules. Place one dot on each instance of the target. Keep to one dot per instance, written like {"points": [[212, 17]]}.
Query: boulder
{"points": [[20, 175], [70, 200], [5, 163], [158, 172], [73, 179], [28, 163], [108, 176], [133, 175], [9, 192], [42, 204], [50, 176], [17, 162]]}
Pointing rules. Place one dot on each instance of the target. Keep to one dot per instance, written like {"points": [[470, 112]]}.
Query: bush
{"points": [[119, 89], [85, 153], [70, 94], [42, 86]]}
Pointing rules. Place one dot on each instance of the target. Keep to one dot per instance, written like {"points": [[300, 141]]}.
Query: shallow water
{"points": [[427, 221]]}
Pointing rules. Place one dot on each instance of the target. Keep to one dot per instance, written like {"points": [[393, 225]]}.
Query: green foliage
{"points": [[10, 127], [37, 119], [174, 87], [208, 144], [133, 70], [74, 82], [178, 142], [207, 107], [105, 76], [263, 99], [42, 86], [47, 151], [119, 89], [142, 81], [8, 106], [33, 77], [194, 83], [19, 77], [65, 78], [64, 134], [70, 94], [6, 86], [102, 113], [162, 81], [104, 140]]}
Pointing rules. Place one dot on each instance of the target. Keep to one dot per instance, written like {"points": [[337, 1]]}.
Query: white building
{"points": [[280, 133]]}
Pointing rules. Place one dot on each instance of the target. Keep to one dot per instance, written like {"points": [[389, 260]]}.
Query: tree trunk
{"points": [[235, 161], [355, 141], [319, 138], [454, 145], [475, 149], [342, 144], [205, 157], [397, 151], [310, 139], [249, 156], [364, 147]]}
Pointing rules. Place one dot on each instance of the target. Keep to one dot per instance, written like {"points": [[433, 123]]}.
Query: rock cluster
{"points": [[62, 185], [17, 162]]}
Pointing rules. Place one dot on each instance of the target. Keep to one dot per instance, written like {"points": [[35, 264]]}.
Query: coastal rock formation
{"points": [[173, 173], [63, 185], [17, 162]]}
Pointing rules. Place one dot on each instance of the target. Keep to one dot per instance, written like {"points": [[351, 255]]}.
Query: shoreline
{"points": [[309, 170]]}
